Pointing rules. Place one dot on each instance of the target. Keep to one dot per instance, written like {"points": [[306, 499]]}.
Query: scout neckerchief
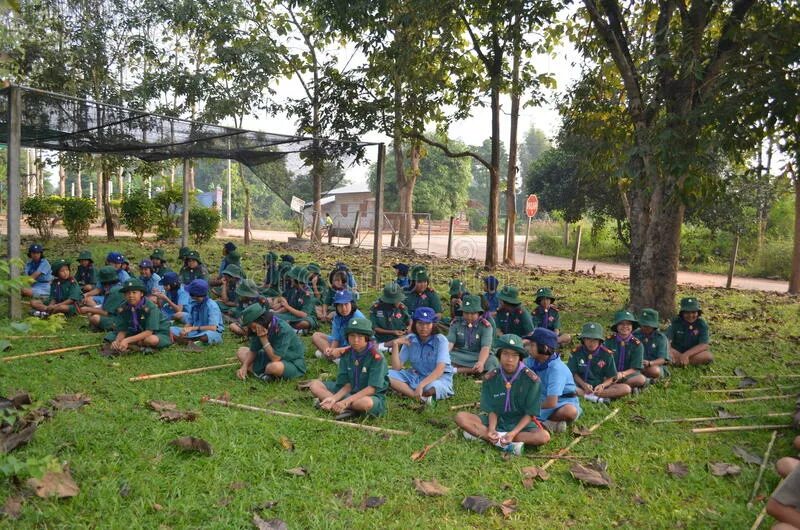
{"points": [[542, 366], [691, 327], [622, 345], [468, 333], [32, 266], [491, 300], [545, 316], [358, 360], [58, 290], [199, 313], [509, 382], [84, 274], [589, 355], [137, 328], [172, 294]]}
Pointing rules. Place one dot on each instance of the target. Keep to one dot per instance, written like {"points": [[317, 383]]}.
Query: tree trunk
{"points": [[511, 178], [121, 179], [246, 222], [78, 179], [62, 180], [794, 280], [105, 178], [494, 179]]}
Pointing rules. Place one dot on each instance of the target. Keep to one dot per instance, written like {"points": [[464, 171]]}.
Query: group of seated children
{"points": [[527, 389]]}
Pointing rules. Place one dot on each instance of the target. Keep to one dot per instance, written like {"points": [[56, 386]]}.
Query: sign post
{"points": [[531, 207]]}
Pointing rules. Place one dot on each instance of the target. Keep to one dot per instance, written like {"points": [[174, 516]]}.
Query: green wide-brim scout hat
{"points": [[457, 287], [233, 270], [301, 275], [292, 272], [690, 304], [509, 341], [471, 304], [158, 254], [134, 284], [392, 293], [251, 313], [85, 254], [621, 316], [592, 330], [544, 292], [107, 274], [649, 317], [57, 264], [509, 294], [313, 267], [193, 254], [247, 289], [233, 257], [271, 256], [420, 275], [183, 252], [362, 326]]}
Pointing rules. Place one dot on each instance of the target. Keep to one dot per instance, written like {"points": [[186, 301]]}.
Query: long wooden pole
{"points": [[763, 512], [419, 455], [527, 235], [48, 352], [785, 376], [577, 249], [14, 121], [762, 468], [312, 418], [465, 406], [736, 390], [719, 418], [757, 398], [146, 377], [17, 337], [707, 430], [574, 442], [377, 241]]}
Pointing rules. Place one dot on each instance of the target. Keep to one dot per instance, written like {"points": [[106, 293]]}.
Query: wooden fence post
{"points": [[577, 248]]}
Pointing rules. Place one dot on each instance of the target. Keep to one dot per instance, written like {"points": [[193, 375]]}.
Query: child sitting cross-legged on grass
{"points": [[139, 323], [784, 505], [65, 293], [362, 381], [203, 318], [510, 398], [275, 351], [592, 366]]}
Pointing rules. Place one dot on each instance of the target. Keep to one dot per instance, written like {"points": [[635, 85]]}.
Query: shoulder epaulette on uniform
{"points": [[635, 340], [606, 349], [376, 354], [530, 373], [518, 310], [401, 306], [490, 374], [486, 323]]}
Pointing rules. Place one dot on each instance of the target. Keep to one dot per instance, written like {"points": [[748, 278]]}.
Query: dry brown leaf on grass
{"points": [[54, 484], [192, 444], [268, 524], [372, 502], [581, 431], [297, 471], [12, 440], [161, 406], [13, 507], [507, 507], [225, 396], [747, 456], [527, 482], [589, 474], [20, 399], [286, 443], [747, 382], [70, 401], [677, 469], [477, 504], [535, 472], [235, 486], [721, 469], [176, 415], [430, 488]]}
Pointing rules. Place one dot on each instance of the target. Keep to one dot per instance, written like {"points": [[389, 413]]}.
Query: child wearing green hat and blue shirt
{"points": [[86, 274], [362, 381], [138, 323], [173, 299], [332, 346], [275, 351], [592, 366], [559, 401], [512, 315], [151, 280], [65, 293], [688, 335], [510, 397], [431, 373], [654, 343], [627, 350], [470, 339]]}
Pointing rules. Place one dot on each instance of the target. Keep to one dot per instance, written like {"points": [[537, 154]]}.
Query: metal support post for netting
{"points": [[577, 248], [378, 233], [450, 238], [228, 202], [185, 212], [14, 120], [732, 267], [527, 235]]}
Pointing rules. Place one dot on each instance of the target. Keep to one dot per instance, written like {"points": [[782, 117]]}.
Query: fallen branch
{"points": [[419, 455], [49, 352], [16, 337], [465, 406], [560, 457], [312, 418], [757, 398], [761, 469], [756, 389], [574, 442], [145, 377], [763, 512], [769, 376], [720, 418], [705, 430]]}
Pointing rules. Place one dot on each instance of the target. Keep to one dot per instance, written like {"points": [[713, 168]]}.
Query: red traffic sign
{"points": [[532, 205]]}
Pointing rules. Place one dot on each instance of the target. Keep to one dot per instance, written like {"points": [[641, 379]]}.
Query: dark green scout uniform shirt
{"points": [[514, 320], [187, 274], [286, 345], [427, 298], [300, 300], [162, 270], [655, 345], [362, 370], [86, 275], [684, 335], [470, 337], [631, 356], [525, 397], [550, 319], [150, 318], [388, 316], [63, 290], [593, 368]]}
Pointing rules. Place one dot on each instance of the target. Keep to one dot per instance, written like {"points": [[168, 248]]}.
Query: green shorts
{"points": [[107, 323], [468, 359], [378, 400], [293, 320], [164, 339], [629, 376], [504, 427], [291, 370]]}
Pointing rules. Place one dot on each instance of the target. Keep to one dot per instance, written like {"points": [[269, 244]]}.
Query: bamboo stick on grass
{"points": [[574, 442], [49, 352], [761, 469]]}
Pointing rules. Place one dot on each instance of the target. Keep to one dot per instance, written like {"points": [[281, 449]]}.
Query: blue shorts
{"points": [[99, 299], [41, 289], [544, 414], [214, 337], [443, 386]]}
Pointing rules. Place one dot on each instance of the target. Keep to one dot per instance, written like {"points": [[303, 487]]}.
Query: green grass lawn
{"points": [[130, 477]]}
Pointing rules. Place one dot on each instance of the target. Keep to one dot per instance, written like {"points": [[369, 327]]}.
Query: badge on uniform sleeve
{"points": [[601, 364]]}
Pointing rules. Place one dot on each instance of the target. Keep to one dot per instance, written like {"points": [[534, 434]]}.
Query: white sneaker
{"points": [[336, 361], [428, 400], [515, 448], [383, 348], [470, 437], [593, 398], [555, 426], [318, 354]]}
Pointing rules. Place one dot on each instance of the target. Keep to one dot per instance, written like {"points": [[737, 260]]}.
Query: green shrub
{"points": [[166, 220], [78, 214], [41, 213], [203, 223], [138, 212]]}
